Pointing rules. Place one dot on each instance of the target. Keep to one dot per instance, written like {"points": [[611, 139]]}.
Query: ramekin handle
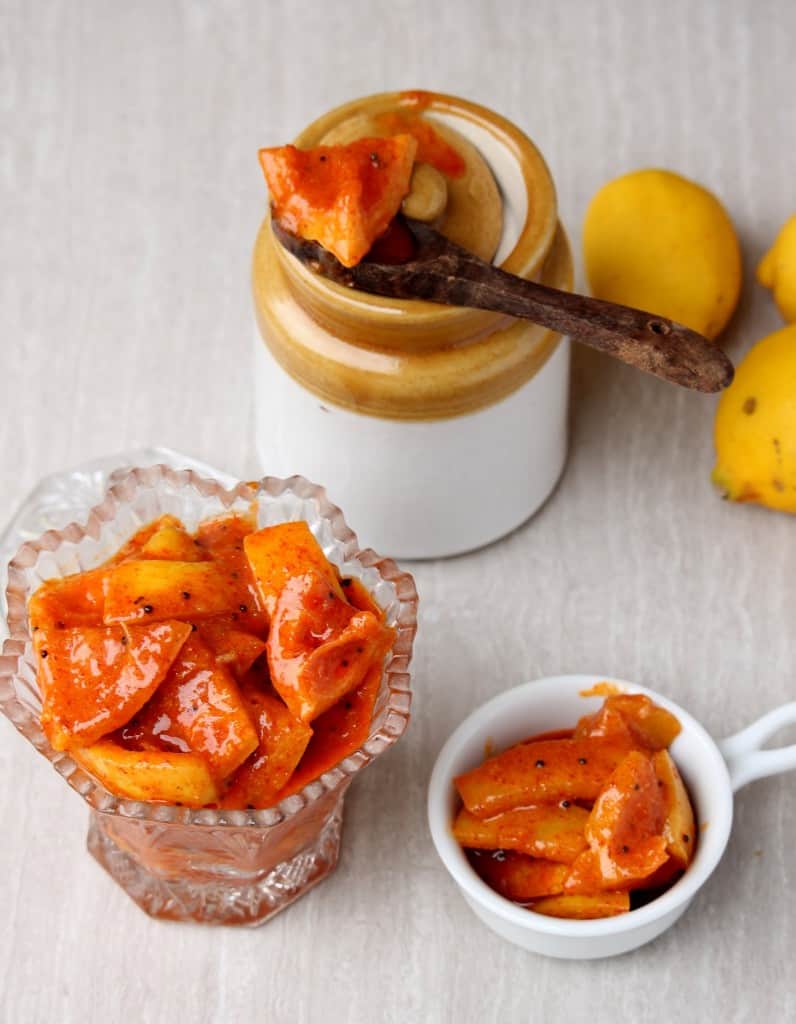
{"points": [[742, 752]]}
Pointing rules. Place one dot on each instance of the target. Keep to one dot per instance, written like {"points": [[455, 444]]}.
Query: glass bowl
{"points": [[210, 866]]}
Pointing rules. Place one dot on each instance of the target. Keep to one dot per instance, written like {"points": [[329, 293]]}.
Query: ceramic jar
{"points": [[439, 429]]}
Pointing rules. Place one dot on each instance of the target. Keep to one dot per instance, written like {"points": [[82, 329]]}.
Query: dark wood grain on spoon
{"points": [[441, 271]]}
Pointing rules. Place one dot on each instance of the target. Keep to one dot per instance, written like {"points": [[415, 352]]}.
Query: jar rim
{"points": [[525, 258]]}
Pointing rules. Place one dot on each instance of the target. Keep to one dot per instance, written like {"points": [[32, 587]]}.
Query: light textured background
{"points": [[130, 199]]}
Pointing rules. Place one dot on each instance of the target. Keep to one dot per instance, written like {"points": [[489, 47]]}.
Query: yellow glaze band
{"points": [[411, 360]]}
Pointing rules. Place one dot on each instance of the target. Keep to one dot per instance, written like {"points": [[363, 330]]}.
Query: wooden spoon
{"points": [[438, 270]]}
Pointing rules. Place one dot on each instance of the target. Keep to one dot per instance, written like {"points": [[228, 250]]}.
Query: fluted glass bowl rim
{"points": [[17, 649]]}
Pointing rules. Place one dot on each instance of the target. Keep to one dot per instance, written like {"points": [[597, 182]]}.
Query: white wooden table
{"points": [[131, 194]]}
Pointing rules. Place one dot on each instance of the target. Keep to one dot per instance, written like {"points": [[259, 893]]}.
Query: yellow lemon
{"points": [[655, 240], [777, 270], [755, 430]]}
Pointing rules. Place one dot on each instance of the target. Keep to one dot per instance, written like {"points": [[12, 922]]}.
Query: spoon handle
{"points": [[441, 271], [646, 341]]}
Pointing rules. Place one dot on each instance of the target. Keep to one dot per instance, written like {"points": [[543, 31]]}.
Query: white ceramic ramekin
{"points": [[712, 772]]}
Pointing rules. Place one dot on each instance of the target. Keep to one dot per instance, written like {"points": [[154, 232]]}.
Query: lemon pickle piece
{"points": [[679, 827], [278, 554], [320, 647], [343, 196], [77, 600], [155, 589], [624, 831], [519, 877], [584, 908], [282, 742], [198, 708], [551, 832], [233, 647], [94, 679], [631, 718], [172, 543], [540, 771], [155, 776]]}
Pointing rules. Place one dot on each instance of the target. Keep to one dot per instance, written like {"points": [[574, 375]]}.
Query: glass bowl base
{"points": [[220, 901]]}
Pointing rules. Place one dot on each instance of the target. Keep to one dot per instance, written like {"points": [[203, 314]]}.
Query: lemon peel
{"points": [[755, 426], [656, 240], [777, 270]]}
